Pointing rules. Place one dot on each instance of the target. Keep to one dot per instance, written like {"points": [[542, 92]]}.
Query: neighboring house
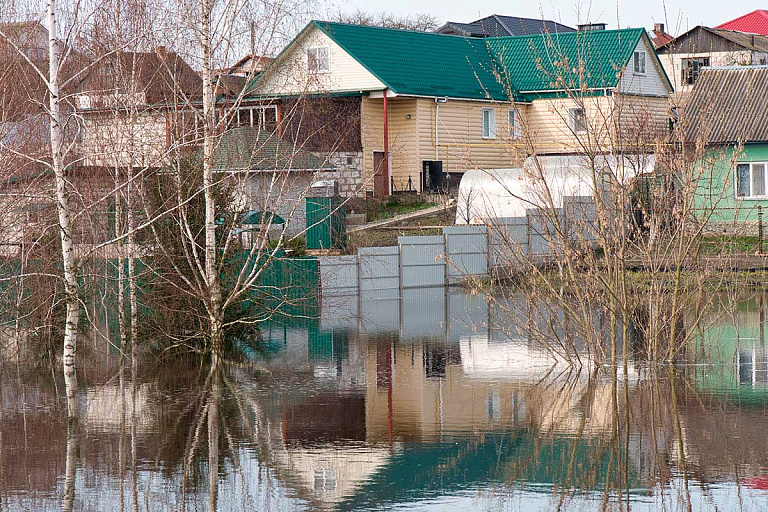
{"points": [[231, 81], [271, 175], [415, 99], [135, 105], [499, 26], [726, 112], [659, 36], [250, 65], [701, 47], [30, 37], [755, 22]]}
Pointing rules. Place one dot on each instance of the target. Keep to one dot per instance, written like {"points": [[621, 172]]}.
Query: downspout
{"points": [[437, 135], [386, 144]]}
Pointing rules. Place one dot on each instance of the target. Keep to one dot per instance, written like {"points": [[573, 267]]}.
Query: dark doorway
{"points": [[380, 175]]}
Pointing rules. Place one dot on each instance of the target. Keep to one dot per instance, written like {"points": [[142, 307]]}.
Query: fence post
{"points": [[759, 229]]}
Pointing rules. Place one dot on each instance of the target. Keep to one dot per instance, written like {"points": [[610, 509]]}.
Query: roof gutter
{"points": [[484, 100], [548, 91]]}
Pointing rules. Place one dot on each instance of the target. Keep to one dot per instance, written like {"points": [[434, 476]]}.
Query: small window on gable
{"points": [[578, 120], [489, 123], [515, 132], [319, 60], [639, 63]]}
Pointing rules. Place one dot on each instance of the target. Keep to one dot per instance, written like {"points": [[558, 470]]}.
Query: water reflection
{"points": [[431, 402]]}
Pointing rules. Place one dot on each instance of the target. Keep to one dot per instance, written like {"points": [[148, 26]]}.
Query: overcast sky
{"points": [[678, 16]]}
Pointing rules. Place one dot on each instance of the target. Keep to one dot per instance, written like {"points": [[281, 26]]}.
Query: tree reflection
{"points": [[68, 498]]}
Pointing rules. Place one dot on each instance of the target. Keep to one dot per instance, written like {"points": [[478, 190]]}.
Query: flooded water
{"points": [[428, 402]]}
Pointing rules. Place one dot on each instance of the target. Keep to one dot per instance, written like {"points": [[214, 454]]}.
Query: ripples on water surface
{"points": [[412, 404]]}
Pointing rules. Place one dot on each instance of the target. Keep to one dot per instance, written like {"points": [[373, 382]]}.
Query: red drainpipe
{"points": [[386, 142]]}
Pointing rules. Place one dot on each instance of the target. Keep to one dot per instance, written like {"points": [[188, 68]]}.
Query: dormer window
{"points": [[319, 60], [639, 63]]}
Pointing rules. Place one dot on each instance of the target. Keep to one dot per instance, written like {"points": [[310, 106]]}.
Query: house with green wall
{"points": [[726, 116]]}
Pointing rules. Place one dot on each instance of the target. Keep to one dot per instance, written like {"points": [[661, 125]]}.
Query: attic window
{"points": [[639, 63], [319, 60]]}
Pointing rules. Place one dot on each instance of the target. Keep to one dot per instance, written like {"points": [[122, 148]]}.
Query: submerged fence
{"points": [[459, 253]]}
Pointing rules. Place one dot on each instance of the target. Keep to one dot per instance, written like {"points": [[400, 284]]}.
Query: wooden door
{"points": [[380, 175]]}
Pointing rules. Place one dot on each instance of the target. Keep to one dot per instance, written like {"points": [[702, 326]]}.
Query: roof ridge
{"points": [[526, 18], [761, 12], [575, 33], [377, 27], [497, 18]]}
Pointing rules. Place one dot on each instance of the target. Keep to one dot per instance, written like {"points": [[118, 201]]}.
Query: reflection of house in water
{"points": [[441, 400], [734, 346]]}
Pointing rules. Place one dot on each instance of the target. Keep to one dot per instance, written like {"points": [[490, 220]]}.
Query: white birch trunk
{"points": [[213, 440], [70, 474], [71, 286], [132, 297], [215, 313]]}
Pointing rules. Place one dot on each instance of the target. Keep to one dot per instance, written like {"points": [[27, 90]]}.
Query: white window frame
{"points": [[254, 115], [513, 120], [636, 60], [572, 120], [491, 132], [320, 69], [751, 195]]}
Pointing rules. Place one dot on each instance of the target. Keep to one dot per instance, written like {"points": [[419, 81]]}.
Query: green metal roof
{"points": [[421, 63], [252, 149], [574, 61], [524, 67]]}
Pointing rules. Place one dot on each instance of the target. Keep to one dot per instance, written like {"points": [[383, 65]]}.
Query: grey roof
{"points": [[499, 26], [253, 149], [679, 44], [749, 41], [728, 105]]}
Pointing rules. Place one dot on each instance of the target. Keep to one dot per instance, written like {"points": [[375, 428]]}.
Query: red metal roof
{"points": [[661, 38], [755, 22]]}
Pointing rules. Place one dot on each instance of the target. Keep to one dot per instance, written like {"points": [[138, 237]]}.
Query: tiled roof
{"points": [[251, 149], [420, 63], [755, 22], [574, 60], [500, 26], [727, 105]]}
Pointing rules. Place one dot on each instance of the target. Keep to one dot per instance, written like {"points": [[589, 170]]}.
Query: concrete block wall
{"points": [[349, 173]]}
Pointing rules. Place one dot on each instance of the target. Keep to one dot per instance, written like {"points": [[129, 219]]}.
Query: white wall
{"points": [[290, 76], [673, 63], [651, 83]]}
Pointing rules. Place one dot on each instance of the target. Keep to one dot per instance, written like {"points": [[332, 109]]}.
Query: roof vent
{"points": [[586, 27]]}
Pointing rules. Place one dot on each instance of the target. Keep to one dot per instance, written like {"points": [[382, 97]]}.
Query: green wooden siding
{"points": [[715, 190]]}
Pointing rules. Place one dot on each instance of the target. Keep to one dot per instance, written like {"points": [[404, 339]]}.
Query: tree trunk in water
{"points": [[213, 438], [68, 499], [71, 287], [215, 313], [133, 300]]}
